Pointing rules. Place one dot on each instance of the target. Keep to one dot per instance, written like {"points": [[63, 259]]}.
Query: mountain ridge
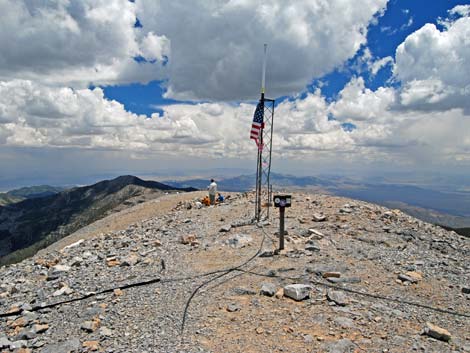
{"points": [[28, 192], [34, 223]]}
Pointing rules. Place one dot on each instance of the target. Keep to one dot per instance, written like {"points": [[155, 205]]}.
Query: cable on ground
{"points": [[224, 273]]}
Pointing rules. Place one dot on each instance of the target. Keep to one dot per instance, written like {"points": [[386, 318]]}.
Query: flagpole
{"points": [[259, 168], [263, 75]]}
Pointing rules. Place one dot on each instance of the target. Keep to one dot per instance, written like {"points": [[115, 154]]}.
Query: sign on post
{"points": [[282, 201]]}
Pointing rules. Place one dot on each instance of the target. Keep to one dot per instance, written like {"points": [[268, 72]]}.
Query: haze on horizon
{"points": [[102, 88]]}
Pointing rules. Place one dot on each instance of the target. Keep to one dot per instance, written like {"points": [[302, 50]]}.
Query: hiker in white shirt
{"points": [[212, 191]]}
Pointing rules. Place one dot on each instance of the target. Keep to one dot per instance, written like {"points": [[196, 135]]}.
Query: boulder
{"points": [[436, 332], [71, 345], [4, 342], [225, 228], [268, 289], [189, 239], [297, 291], [337, 297], [317, 217]]}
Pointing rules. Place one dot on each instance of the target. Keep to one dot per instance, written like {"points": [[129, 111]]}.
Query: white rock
{"points": [[268, 289], [87, 254], [64, 290], [76, 261], [4, 342], [77, 243], [315, 232], [19, 344], [104, 331], [58, 269], [297, 291], [437, 332]]}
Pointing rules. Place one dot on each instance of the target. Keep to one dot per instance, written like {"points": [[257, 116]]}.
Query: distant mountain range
{"points": [[30, 192], [34, 223], [451, 209], [244, 183]]}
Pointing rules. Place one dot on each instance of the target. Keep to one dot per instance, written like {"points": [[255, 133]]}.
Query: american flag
{"points": [[257, 124]]}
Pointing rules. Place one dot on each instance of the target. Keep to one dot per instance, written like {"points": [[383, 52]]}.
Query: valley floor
{"points": [[373, 278]]}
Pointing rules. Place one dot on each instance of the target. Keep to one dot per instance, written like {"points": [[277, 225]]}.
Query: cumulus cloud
{"points": [[386, 127], [434, 66], [306, 40], [35, 115], [358, 103], [77, 43], [95, 41]]}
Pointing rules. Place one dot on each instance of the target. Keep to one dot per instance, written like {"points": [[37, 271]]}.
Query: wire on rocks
{"points": [[371, 295], [86, 296], [222, 272], [225, 272], [109, 290]]}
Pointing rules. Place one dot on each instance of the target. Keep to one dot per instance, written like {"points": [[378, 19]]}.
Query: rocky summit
{"points": [[182, 277]]}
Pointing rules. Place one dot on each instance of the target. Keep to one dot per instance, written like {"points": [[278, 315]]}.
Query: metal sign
{"points": [[282, 200]]}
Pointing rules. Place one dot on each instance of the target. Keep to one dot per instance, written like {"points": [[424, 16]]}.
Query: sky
{"points": [[97, 88]]}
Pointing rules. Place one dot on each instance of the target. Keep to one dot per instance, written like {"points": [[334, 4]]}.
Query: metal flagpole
{"points": [[259, 167]]}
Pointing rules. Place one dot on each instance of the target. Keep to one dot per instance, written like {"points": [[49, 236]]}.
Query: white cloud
{"points": [[76, 43], [367, 62], [377, 65], [306, 40], [357, 103], [460, 10], [34, 115], [214, 47], [155, 47], [434, 66]]}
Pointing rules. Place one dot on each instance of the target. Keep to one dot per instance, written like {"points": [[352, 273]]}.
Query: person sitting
{"points": [[220, 198], [206, 201]]}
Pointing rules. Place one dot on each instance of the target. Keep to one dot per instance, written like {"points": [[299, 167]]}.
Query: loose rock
{"points": [[331, 274], [297, 291], [233, 307], [317, 217], [436, 332], [189, 239], [268, 289], [226, 228], [338, 297]]}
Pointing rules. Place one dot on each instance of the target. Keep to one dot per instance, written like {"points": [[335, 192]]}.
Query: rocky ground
{"points": [[354, 277]]}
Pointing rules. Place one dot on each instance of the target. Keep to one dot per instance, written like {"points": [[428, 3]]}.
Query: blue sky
{"points": [[366, 87]]}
